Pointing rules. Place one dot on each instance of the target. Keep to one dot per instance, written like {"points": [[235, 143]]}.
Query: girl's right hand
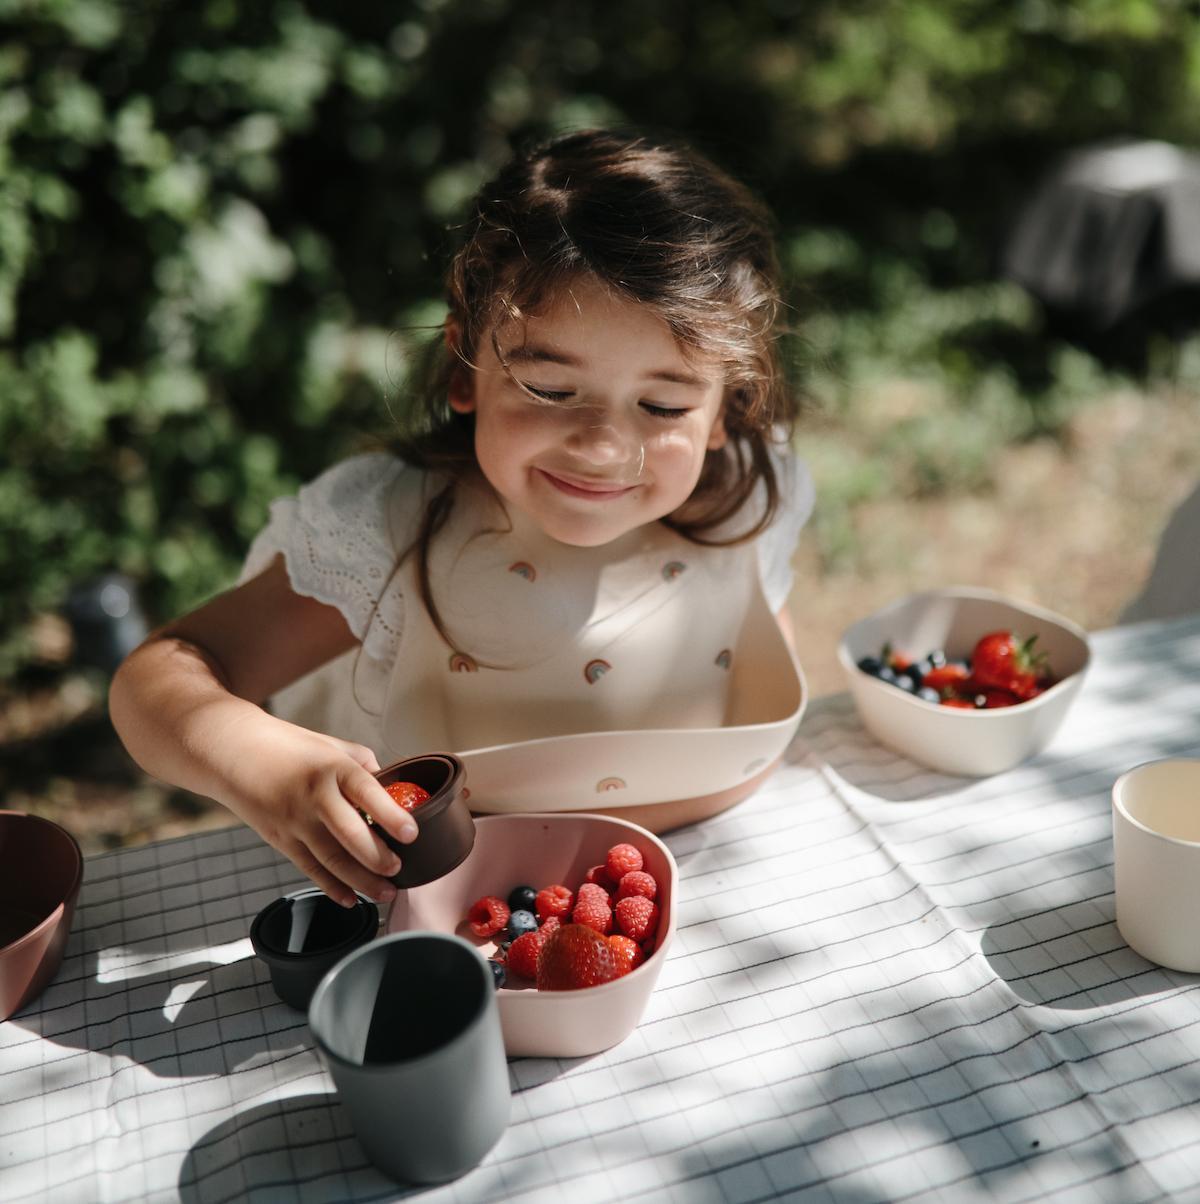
{"points": [[303, 792], [188, 702]]}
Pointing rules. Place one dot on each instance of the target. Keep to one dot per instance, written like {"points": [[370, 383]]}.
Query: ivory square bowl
{"points": [[541, 850], [949, 739]]}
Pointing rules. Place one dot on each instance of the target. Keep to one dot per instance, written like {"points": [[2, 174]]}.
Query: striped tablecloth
{"points": [[887, 985]]}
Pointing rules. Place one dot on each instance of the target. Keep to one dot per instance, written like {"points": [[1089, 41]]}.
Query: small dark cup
{"points": [[306, 933], [446, 830]]}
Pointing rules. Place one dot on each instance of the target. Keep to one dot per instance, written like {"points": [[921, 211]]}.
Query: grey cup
{"points": [[410, 1031]]}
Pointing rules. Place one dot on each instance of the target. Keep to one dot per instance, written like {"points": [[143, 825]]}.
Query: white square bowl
{"points": [[950, 739]]}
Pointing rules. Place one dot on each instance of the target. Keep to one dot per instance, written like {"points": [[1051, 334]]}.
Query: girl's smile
{"points": [[597, 491], [589, 417]]}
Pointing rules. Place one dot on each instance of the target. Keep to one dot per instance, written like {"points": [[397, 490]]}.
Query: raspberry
{"points": [[573, 957], [554, 901], [523, 955], [626, 953], [621, 860], [637, 882], [591, 890], [487, 916], [637, 917], [593, 909], [598, 876]]}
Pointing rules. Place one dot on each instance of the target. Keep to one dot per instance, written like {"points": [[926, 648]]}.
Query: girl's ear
{"points": [[461, 394], [718, 436]]}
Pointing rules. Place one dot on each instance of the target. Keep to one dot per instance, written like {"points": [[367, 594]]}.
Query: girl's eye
{"points": [[662, 411], [547, 394]]}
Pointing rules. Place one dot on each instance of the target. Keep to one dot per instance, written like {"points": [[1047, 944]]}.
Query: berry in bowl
{"points": [[573, 912], [964, 680]]}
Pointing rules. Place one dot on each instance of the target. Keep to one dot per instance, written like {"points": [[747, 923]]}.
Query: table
{"points": [[887, 985]]}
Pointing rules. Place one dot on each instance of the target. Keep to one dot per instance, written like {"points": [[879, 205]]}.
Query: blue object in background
{"points": [[106, 620]]}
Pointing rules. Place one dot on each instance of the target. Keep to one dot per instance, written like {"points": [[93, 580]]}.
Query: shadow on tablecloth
{"points": [[1073, 958], [301, 1147]]}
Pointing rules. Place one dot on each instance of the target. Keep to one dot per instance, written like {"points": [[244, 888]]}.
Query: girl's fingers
{"points": [[302, 857], [360, 841], [363, 755], [366, 793], [345, 867]]}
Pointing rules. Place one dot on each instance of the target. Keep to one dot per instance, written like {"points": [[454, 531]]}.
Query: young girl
{"points": [[596, 489]]}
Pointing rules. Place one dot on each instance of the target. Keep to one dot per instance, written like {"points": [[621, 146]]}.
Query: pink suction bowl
{"points": [[540, 850]]}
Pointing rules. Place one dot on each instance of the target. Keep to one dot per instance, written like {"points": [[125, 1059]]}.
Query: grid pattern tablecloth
{"points": [[887, 985]]}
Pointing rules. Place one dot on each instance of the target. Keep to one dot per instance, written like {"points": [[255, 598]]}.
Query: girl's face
{"points": [[616, 431]]}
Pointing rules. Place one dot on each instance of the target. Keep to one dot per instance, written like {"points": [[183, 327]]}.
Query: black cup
{"points": [[446, 831], [306, 933]]}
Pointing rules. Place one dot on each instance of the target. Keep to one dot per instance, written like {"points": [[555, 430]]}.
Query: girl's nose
{"points": [[601, 443]]}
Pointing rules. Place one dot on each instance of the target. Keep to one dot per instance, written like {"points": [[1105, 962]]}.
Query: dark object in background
{"points": [[1110, 244], [106, 621]]}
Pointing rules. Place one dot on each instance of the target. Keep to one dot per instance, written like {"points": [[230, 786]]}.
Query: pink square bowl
{"points": [[540, 850]]}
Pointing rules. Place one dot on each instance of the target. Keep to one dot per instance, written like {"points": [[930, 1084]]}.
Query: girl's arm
{"points": [[187, 706]]}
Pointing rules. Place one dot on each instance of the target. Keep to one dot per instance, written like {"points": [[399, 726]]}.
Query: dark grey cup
{"points": [[410, 1031]]}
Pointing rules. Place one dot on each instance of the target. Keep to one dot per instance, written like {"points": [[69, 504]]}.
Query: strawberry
{"points": [[627, 953], [523, 955], [526, 950], [945, 677], [407, 794], [574, 957], [1001, 662]]}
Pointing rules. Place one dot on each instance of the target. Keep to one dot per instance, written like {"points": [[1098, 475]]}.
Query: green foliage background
{"points": [[222, 223]]}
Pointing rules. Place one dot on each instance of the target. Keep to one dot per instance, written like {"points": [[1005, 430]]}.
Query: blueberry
{"points": [[522, 898], [871, 665], [519, 923], [888, 674], [499, 975], [937, 658], [929, 694], [905, 682]]}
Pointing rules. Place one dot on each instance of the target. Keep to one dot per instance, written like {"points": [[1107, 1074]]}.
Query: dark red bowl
{"points": [[41, 870]]}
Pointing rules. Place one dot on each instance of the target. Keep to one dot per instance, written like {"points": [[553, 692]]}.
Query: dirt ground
{"points": [[1072, 527]]}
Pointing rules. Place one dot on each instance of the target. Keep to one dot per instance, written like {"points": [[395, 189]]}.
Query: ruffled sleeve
{"points": [[777, 543], [341, 538]]}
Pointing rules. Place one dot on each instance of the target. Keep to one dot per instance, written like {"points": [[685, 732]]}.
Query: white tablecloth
{"points": [[887, 985]]}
